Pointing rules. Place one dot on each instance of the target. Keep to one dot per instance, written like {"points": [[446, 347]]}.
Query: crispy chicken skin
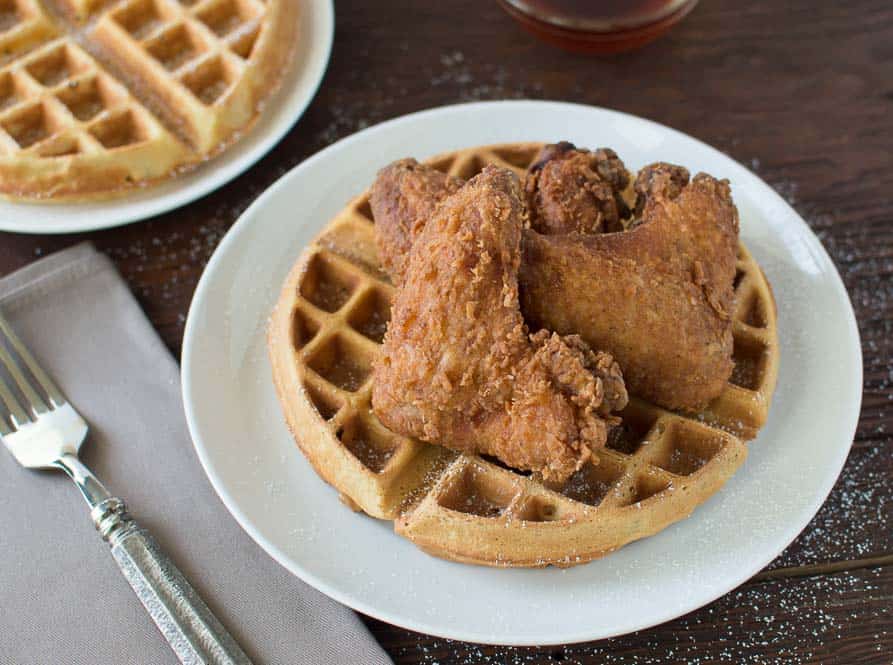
{"points": [[403, 197], [458, 366], [576, 191], [658, 296]]}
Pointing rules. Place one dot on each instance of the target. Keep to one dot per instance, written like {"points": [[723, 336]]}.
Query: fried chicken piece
{"points": [[458, 366], [569, 190], [658, 296], [403, 197]]}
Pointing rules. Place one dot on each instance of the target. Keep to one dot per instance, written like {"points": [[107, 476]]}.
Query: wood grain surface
{"points": [[801, 92]]}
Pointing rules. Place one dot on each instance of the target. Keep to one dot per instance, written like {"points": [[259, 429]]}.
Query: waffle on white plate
{"points": [[98, 96], [657, 468]]}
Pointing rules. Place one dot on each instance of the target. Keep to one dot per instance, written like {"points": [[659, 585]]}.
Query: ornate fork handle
{"points": [[194, 633]]}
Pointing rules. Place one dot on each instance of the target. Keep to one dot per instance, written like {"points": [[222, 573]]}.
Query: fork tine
{"points": [[19, 417], [33, 402], [46, 383]]}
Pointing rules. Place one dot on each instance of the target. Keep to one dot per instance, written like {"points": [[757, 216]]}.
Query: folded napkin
{"points": [[62, 599]]}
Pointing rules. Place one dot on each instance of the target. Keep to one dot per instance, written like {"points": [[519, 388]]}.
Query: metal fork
{"points": [[42, 430]]}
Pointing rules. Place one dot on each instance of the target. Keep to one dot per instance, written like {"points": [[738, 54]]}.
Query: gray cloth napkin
{"points": [[62, 599]]}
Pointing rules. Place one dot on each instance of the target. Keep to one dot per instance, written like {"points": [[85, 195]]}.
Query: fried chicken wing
{"points": [[458, 366], [403, 197], [576, 191], [657, 296]]}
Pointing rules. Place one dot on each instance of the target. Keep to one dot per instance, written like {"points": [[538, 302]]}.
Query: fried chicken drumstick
{"points": [[458, 366], [657, 296]]}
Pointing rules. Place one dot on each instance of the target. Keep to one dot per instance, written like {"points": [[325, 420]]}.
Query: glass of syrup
{"points": [[598, 26]]}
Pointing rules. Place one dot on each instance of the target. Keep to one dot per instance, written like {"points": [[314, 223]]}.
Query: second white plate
{"points": [[280, 113], [272, 491]]}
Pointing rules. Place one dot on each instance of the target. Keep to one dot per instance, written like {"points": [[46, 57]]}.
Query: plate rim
{"points": [[221, 169], [794, 527]]}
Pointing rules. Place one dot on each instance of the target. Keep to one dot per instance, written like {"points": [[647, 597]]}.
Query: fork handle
{"points": [[194, 633]]}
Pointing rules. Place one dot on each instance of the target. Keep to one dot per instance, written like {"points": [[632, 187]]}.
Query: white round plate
{"points": [[272, 491], [279, 115]]}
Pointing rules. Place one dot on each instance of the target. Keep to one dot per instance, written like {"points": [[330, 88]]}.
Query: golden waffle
{"points": [[658, 466], [99, 96]]}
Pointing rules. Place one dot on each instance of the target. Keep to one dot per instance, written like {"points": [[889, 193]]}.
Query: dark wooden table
{"points": [[799, 91]]}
